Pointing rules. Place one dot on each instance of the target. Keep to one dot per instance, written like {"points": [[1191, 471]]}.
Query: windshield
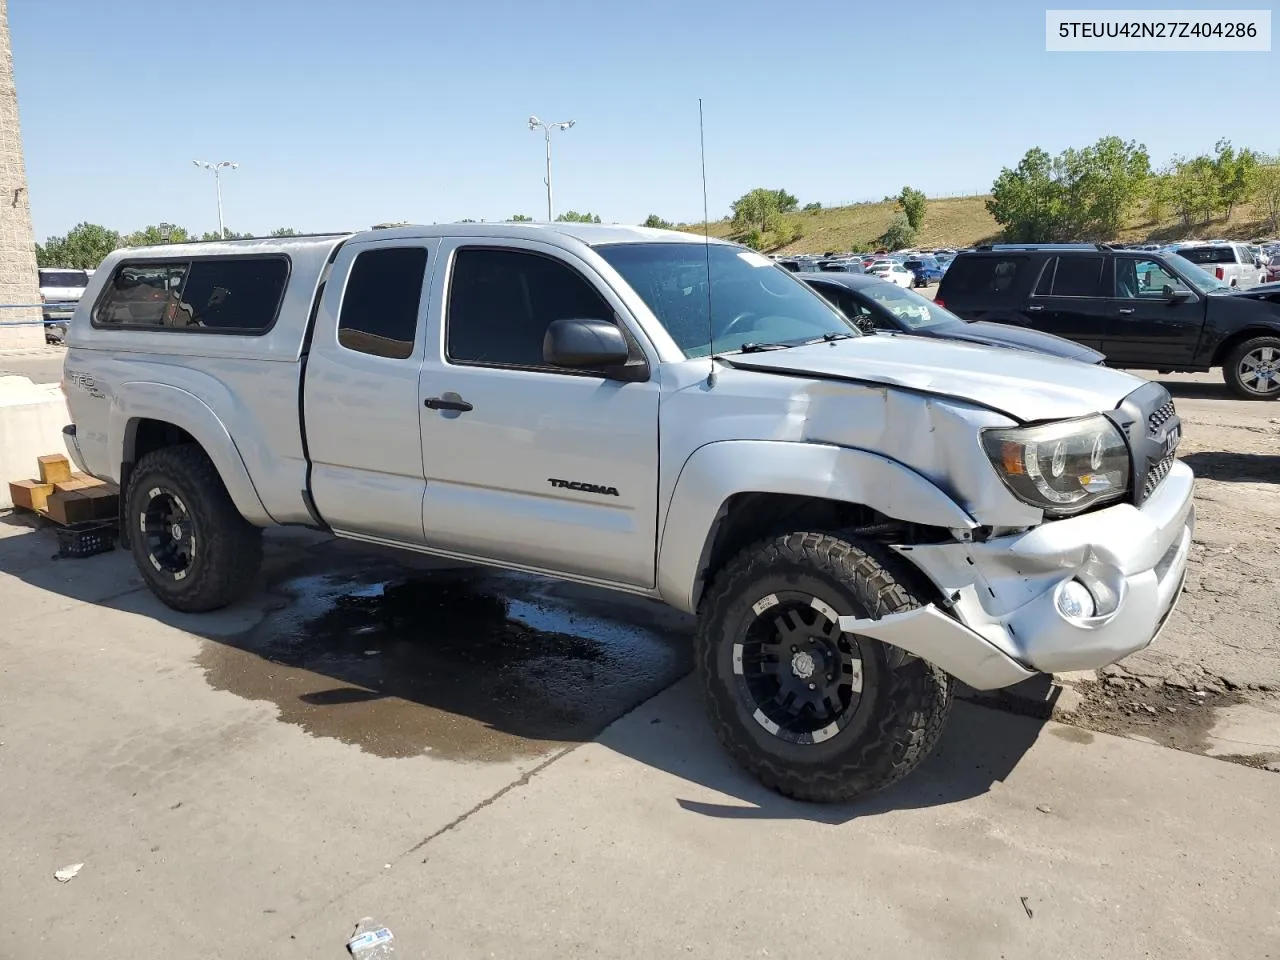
{"points": [[912, 310], [753, 301], [1203, 281]]}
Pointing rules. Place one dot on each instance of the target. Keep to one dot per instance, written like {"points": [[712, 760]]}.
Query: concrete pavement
{"points": [[38, 364], [212, 823]]}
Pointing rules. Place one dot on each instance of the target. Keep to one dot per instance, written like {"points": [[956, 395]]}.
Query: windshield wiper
{"points": [[831, 338], [762, 347]]}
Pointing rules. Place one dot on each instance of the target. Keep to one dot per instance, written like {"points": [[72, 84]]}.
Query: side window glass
{"points": [[1144, 279], [380, 305], [502, 301], [232, 295], [1078, 277], [1045, 285], [142, 295]]}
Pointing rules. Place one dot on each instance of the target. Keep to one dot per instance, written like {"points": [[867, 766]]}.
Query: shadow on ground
{"points": [[1235, 467], [403, 656], [1194, 389]]}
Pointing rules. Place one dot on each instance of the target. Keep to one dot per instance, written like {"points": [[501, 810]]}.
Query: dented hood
{"points": [[1025, 386]]}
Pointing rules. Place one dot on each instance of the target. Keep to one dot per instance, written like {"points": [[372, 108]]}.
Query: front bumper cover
{"points": [[1004, 623]]}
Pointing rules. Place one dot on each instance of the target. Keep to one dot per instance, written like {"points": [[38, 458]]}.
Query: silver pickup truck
{"points": [[854, 520]]}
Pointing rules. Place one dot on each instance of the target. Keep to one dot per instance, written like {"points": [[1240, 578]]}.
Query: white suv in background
{"points": [[60, 290], [1232, 263]]}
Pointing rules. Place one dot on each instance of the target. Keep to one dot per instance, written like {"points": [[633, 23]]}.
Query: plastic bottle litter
{"points": [[371, 941]]}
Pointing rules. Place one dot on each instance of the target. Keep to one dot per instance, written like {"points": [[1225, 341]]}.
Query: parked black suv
{"points": [[1150, 310]]}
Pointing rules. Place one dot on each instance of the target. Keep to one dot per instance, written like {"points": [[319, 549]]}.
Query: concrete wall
{"points": [[31, 420], [18, 279]]}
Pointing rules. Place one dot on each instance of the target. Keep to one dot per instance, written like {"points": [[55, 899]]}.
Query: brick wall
{"points": [[18, 282]]}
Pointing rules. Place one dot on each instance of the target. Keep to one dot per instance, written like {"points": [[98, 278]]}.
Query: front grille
{"points": [[1160, 418], [1156, 474]]}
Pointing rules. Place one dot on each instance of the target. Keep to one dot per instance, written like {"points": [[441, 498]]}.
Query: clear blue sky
{"points": [[345, 113]]}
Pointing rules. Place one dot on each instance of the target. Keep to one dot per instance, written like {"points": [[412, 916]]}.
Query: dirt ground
{"points": [[1221, 647]]}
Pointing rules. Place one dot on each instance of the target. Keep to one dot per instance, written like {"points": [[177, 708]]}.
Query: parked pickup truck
{"points": [[854, 520]]}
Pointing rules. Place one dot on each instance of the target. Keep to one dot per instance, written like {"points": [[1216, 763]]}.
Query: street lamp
{"points": [[534, 124], [217, 169]]}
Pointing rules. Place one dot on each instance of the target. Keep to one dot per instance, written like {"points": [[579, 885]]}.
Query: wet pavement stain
{"points": [[471, 665]]}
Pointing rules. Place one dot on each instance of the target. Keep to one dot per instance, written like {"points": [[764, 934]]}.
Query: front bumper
{"points": [[1005, 622]]}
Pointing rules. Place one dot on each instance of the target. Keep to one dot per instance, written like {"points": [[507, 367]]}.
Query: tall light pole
{"points": [[534, 124], [217, 169]]}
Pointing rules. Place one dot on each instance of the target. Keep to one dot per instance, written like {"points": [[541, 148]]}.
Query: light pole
{"points": [[217, 169], [534, 124]]}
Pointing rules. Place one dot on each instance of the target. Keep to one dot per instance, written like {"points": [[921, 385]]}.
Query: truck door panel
{"points": [[527, 463], [360, 395]]}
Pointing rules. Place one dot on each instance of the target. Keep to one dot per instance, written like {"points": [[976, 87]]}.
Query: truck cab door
{"points": [[528, 464], [360, 398]]}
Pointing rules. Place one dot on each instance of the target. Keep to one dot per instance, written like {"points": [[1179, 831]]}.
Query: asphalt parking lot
{"points": [[494, 765]]}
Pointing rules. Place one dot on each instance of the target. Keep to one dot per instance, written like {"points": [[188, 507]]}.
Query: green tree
{"points": [[786, 202], [812, 207], [1079, 194], [84, 247], [756, 210], [1159, 194], [1114, 177], [152, 235], [899, 233], [573, 216], [284, 232], [1194, 189], [519, 218], [912, 203], [1027, 201], [653, 220], [1267, 190], [228, 235], [1235, 172]]}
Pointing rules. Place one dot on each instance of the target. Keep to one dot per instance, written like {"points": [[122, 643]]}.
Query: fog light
{"points": [[1075, 600]]}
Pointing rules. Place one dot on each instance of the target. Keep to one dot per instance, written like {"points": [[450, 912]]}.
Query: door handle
{"points": [[1125, 311], [1035, 308], [440, 403]]}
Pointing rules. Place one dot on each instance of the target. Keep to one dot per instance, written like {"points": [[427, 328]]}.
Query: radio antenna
{"points": [[707, 248]]}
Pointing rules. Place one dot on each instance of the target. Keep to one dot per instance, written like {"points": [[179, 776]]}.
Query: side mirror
{"points": [[1176, 294], [584, 344]]}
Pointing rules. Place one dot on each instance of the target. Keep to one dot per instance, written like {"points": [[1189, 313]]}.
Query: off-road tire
{"points": [[229, 548], [1231, 368], [905, 700]]}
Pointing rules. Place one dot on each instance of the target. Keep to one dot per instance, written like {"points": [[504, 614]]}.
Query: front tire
{"points": [[1252, 369], [190, 543], [814, 713]]}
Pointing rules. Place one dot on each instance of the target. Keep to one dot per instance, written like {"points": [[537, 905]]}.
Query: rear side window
{"points": [[380, 305], [1078, 277], [219, 295], [986, 275], [1214, 254]]}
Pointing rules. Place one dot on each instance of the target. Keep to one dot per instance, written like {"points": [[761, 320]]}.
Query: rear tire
{"points": [[190, 543], [816, 714], [1252, 369]]}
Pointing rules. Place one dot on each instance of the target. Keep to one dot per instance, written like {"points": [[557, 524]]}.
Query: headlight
{"points": [[1063, 468]]}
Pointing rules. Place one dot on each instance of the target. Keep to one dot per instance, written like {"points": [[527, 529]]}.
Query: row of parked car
{"points": [[1123, 307], [905, 268]]}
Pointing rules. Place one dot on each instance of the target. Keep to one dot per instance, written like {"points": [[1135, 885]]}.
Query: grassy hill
{"points": [[964, 221]]}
